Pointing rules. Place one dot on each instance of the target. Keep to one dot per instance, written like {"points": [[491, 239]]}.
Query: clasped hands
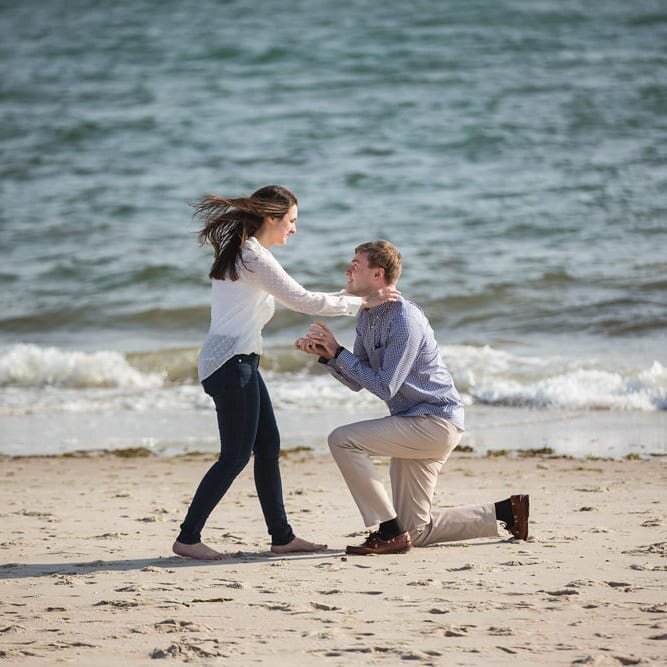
{"points": [[319, 339]]}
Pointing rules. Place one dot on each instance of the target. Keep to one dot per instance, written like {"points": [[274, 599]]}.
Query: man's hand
{"points": [[322, 337], [318, 340]]}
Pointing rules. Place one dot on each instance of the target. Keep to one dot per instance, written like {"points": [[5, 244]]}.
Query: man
{"points": [[396, 357]]}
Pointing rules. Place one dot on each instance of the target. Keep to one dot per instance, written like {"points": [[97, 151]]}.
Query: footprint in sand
{"points": [[186, 650], [171, 625], [519, 563], [116, 604], [425, 582], [649, 568], [654, 522], [324, 607], [11, 629], [462, 568], [563, 592], [238, 585], [439, 610], [620, 584], [131, 588], [70, 644], [582, 583], [500, 631], [18, 653], [659, 548]]}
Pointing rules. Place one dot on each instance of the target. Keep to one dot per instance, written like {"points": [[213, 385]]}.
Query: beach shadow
{"points": [[17, 570], [34, 570]]}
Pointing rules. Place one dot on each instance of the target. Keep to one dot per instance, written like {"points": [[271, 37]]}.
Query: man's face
{"points": [[361, 279]]}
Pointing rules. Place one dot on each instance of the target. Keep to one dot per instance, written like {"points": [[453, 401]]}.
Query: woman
{"points": [[246, 279]]}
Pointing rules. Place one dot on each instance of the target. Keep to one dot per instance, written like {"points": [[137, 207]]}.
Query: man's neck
{"points": [[372, 292]]}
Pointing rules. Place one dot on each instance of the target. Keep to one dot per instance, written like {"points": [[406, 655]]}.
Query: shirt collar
{"points": [[381, 308]]}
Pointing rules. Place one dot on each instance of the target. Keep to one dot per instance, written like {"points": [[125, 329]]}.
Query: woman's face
{"points": [[280, 229]]}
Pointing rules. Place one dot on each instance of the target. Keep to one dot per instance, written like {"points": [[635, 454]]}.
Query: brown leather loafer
{"points": [[374, 544], [520, 510]]}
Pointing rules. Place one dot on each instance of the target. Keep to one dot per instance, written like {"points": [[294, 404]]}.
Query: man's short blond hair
{"points": [[383, 255]]}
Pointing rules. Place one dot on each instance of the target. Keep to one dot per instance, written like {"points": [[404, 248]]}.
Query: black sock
{"points": [[504, 512], [391, 528]]}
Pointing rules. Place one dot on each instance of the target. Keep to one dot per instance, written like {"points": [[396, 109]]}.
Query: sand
{"points": [[87, 577]]}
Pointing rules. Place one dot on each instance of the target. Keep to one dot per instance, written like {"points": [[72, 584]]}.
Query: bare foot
{"points": [[296, 545], [197, 551]]}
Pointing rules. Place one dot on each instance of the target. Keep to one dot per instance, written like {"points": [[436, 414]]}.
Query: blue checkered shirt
{"points": [[396, 357]]}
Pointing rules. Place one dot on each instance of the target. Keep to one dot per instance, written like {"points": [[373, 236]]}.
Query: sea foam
{"points": [[32, 376], [495, 377], [26, 365]]}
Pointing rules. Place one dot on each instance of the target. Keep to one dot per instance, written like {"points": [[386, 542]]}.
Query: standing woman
{"points": [[246, 278]]}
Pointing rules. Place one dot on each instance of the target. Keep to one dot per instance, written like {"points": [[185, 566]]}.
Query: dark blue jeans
{"points": [[247, 426]]}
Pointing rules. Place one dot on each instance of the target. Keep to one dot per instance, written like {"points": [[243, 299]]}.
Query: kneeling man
{"points": [[396, 357]]}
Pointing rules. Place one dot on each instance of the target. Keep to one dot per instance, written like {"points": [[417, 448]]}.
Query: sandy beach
{"points": [[87, 576]]}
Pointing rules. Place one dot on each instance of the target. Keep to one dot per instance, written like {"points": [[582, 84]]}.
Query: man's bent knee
{"points": [[339, 437]]}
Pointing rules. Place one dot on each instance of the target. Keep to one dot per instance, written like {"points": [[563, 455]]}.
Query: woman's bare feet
{"points": [[197, 551], [297, 545]]}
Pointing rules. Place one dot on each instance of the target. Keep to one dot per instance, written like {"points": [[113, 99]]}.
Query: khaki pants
{"points": [[418, 447]]}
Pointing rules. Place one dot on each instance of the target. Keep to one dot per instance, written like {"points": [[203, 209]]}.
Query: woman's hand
{"points": [[384, 294], [308, 346]]}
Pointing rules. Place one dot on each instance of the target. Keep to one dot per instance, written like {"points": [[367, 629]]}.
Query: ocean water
{"points": [[516, 153]]}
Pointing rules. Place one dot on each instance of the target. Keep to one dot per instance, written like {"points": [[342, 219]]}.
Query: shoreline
{"points": [[128, 453], [578, 433], [87, 575]]}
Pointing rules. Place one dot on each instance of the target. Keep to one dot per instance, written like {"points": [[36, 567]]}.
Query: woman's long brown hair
{"points": [[229, 221]]}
